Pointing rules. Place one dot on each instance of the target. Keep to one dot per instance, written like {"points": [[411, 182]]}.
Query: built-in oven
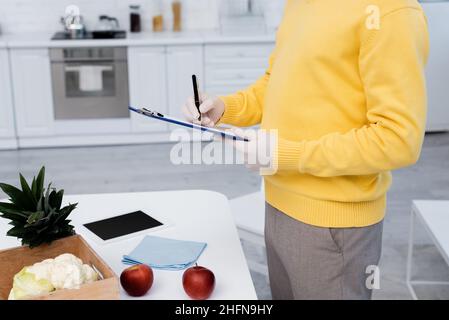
{"points": [[90, 83]]}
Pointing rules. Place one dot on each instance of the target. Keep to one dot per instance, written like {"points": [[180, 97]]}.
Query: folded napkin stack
{"points": [[165, 254]]}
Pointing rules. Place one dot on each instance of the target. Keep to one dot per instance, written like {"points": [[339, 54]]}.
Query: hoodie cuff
{"points": [[288, 155], [232, 110]]}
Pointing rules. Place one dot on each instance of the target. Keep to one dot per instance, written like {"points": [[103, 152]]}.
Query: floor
{"points": [[147, 168]]}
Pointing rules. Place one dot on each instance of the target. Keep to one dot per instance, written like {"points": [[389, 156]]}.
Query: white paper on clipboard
{"points": [[161, 117]]}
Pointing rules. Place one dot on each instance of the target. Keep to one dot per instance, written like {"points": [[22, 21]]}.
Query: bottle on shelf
{"points": [[177, 15], [135, 20], [158, 18]]}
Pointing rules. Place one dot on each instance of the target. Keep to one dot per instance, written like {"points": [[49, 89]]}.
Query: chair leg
{"points": [[408, 279]]}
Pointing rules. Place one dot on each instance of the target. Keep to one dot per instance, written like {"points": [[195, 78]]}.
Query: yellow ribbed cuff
{"points": [[232, 110], [288, 155]]}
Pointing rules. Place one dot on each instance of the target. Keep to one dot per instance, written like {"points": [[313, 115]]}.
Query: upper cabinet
{"points": [[7, 131], [147, 85], [32, 92], [161, 79], [182, 63]]}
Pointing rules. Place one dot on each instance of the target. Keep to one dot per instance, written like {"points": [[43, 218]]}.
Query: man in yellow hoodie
{"points": [[345, 90]]}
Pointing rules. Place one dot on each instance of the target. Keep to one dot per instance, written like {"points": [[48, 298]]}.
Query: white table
{"points": [[197, 215], [434, 216]]}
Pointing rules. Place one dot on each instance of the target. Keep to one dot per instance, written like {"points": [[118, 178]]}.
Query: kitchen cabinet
{"points": [[438, 65], [159, 74], [182, 63], [32, 92], [147, 85], [161, 79], [7, 129], [231, 67]]}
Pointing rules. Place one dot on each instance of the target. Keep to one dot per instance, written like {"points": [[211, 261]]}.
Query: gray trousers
{"points": [[307, 262]]}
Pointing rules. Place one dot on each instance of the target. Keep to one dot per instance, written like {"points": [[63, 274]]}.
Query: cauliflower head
{"points": [[64, 272]]}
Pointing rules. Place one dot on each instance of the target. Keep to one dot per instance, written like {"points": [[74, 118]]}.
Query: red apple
{"points": [[137, 280], [198, 282]]}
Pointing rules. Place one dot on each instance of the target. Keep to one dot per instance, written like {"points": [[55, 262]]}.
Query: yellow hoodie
{"points": [[345, 89]]}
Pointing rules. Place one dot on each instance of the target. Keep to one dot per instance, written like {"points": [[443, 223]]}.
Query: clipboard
{"points": [[160, 117]]}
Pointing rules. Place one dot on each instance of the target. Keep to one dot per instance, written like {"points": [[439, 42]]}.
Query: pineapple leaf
{"points": [[11, 208], [14, 216], [39, 185], [34, 217], [16, 231], [65, 212], [26, 190], [33, 187], [56, 199], [17, 196], [47, 199], [15, 223], [40, 203]]}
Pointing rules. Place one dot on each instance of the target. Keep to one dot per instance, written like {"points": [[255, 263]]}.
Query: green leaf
{"points": [[65, 212], [34, 217], [56, 199], [17, 197], [40, 204], [26, 190], [11, 212], [7, 206], [14, 216], [34, 187], [16, 232], [39, 189], [47, 207]]}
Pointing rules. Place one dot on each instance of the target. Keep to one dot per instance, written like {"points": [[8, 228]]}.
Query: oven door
{"points": [[90, 89]]}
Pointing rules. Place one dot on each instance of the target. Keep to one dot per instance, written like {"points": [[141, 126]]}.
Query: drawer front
{"points": [[230, 68], [237, 56], [224, 53], [225, 76]]}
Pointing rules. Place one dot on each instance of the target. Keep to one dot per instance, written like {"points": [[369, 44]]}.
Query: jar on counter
{"points": [[135, 19], [158, 18]]}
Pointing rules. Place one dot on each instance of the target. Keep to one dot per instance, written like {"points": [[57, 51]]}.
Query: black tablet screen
{"points": [[122, 225]]}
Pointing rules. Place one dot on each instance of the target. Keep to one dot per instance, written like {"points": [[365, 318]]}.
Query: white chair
{"points": [[249, 217]]}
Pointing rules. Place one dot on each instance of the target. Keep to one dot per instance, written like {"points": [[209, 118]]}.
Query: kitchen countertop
{"points": [[43, 40], [190, 218]]}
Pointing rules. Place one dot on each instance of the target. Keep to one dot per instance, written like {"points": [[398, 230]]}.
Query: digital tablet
{"points": [[123, 226]]}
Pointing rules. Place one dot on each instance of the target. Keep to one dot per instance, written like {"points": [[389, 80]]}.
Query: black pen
{"points": [[197, 95]]}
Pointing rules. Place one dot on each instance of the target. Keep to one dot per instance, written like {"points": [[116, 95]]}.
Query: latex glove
{"points": [[260, 153], [211, 109]]}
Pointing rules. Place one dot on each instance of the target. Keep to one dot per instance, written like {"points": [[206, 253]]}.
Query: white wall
{"points": [[21, 16]]}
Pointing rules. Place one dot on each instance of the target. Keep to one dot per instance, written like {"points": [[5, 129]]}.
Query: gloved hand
{"points": [[260, 153], [211, 109]]}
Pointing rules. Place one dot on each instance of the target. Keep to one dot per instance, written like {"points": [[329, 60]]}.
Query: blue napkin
{"points": [[165, 254]]}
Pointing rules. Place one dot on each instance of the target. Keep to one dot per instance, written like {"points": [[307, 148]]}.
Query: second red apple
{"points": [[198, 282]]}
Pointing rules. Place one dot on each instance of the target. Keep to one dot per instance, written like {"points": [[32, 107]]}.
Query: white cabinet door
{"points": [[232, 67], [33, 98], [6, 111], [182, 63], [148, 85], [438, 65]]}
